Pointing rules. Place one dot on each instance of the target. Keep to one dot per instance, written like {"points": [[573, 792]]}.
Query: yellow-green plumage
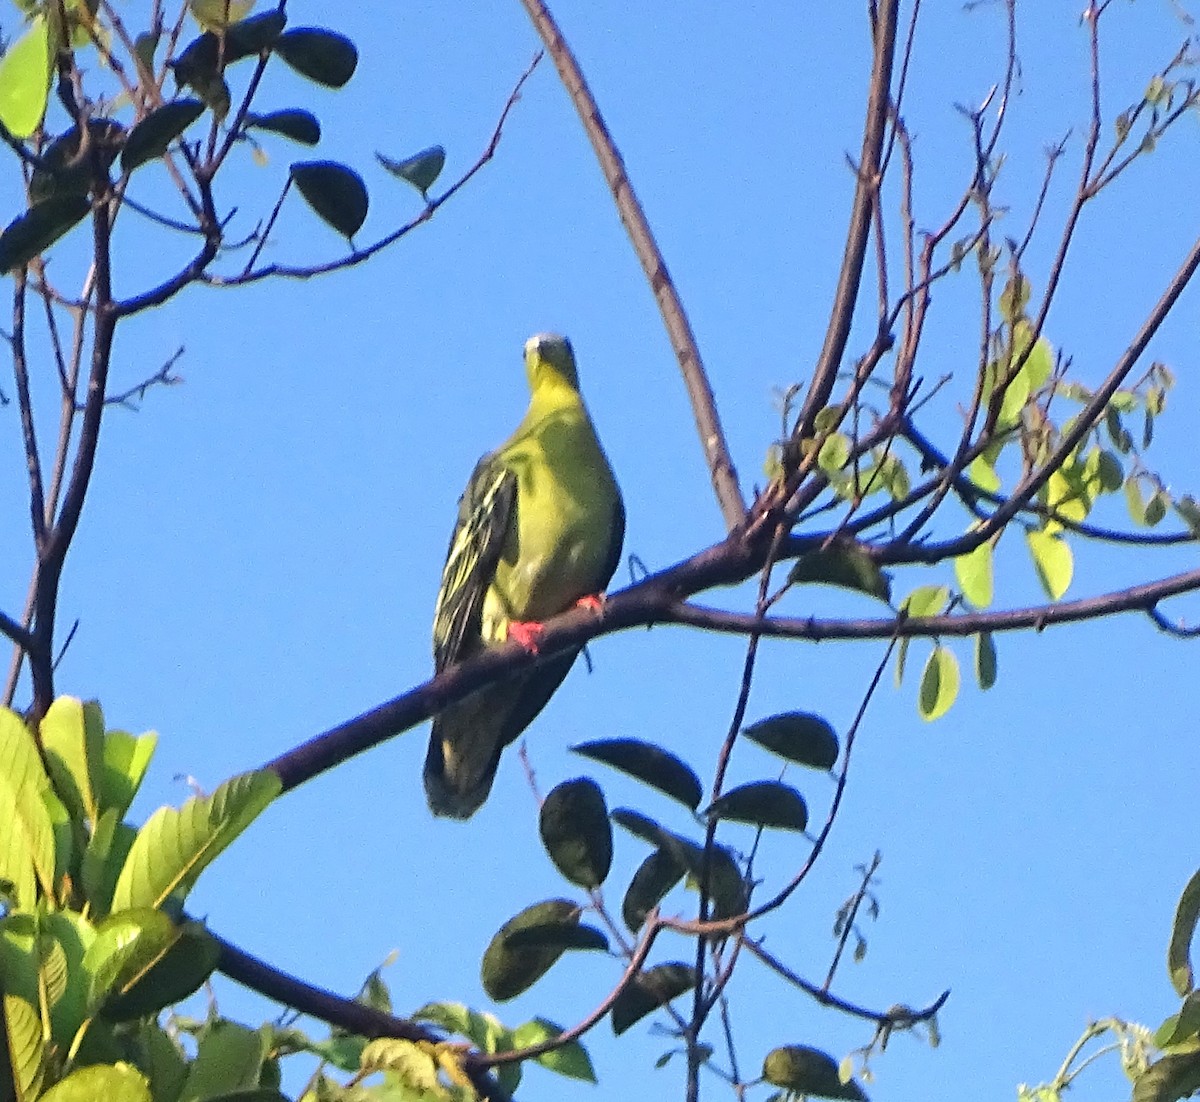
{"points": [[539, 526]]}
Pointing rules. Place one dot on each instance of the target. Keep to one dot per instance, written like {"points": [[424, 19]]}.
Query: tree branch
{"points": [[633, 217]]}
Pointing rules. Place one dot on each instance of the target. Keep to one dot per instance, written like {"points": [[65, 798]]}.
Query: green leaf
{"points": [[834, 453], [27, 1055], [107, 851], [336, 193], [1014, 298], [939, 684], [809, 1071], [25, 71], [152, 137], [1156, 508], [648, 763], [1053, 561], [557, 935], [1183, 929], [926, 600], [576, 832], [73, 737], [229, 1058], [214, 14], [570, 1060], [126, 758], [161, 1059], [179, 969], [421, 169], [655, 877], [983, 474], [64, 171], [844, 564], [507, 971], [321, 55], [648, 991], [64, 938], [1189, 511], [974, 573], [33, 232], [800, 737], [762, 803], [1175, 1076], [174, 847], [985, 660], [300, 126], [726, 886], [27, 846], [1182, 1027]]}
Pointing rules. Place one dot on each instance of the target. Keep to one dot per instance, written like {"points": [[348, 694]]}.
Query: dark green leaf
{"points": [[37, 229], [1175, 1076], [300, 126], [253, 35], [842, 564], [577, 833], [648, 991], [1187, 914], [335, 192], [64, 171], [762, 803], [656, 876], [798, 736], [421, 169], [985, 660], [557, 935], [726, 886], [321, 55], [153, 136], [648, 763], [804, 1070], [507, 971]]}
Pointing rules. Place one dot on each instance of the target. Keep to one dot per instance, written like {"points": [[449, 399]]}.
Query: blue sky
{"points": [[261, 548]]}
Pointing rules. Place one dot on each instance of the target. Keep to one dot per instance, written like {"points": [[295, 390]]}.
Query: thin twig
{"points": [[675, 318]]}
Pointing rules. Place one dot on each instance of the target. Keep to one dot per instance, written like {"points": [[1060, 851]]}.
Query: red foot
{"points": [[593, 603], [527, 633]]}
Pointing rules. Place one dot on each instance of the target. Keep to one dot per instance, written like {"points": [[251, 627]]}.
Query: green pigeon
{"points": [[539, 530]]}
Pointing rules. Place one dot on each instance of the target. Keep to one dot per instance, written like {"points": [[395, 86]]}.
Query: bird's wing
{"points": [[485, 516]]}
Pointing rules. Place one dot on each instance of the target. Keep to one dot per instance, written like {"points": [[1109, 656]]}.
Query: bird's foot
{"points": [[593, 602], [527, 633]]}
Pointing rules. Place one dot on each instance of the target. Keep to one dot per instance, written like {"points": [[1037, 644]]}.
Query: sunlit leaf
{"points": [[570, 1060], [974, 573], [926, 600], [939, 684], [983, 474], [25, 72], [1053, 561], [175, 846]]}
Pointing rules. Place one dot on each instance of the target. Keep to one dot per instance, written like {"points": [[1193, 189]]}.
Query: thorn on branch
{"points": [[130, 399]]}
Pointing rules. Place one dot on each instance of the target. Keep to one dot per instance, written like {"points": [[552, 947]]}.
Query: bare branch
{"points": [[894, 1018], [633, 217]]}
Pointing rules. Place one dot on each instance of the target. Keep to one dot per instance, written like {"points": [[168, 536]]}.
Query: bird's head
{"points": [[548, 355]]}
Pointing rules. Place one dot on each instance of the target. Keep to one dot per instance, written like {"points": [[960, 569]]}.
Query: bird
{"points": [[540, 528]]}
